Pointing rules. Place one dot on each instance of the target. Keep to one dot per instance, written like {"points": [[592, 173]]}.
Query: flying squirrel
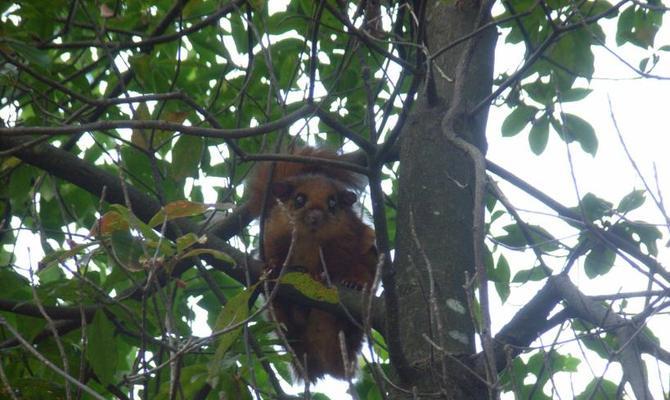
{"points": [[311, 224]]}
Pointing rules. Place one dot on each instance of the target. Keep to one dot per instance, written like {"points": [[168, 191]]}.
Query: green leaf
{"points": [[233, 387], [599, 261], [598, 7], [570, 364], [594, 207], [642, 66], [581, 131], [497, 214], [518, 119], [34, 56], [239, 32], [650, 335], [512, 377], [35, 389], [280, 23], [191, 380], [488, 263], [141, 64], [379, 346], [648, 234], [186, 155], [539, 135], [540, 237], [573, 51], [64, 255], [234, 312], [631, 201], [599, 389], [625, 25], [514, 237], [533, 274], [14, 285], [503, 270], [503, 290], [539, 91], [102, 350], [149, 234], [186, 241], [51, 274], [638, 26], [574, 94]]}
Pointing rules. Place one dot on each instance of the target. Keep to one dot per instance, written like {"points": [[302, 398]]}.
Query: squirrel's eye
{"points": [[332, 203], [300, 200]]}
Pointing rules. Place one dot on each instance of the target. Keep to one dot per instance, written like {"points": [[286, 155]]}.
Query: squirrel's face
{"points": [[315, 203]]}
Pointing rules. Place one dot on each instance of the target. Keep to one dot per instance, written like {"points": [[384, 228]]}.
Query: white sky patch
{"points": [[640, 108], [199, 327]]}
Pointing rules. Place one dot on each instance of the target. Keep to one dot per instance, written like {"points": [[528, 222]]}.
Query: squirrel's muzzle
{"points": [[314, 218]]}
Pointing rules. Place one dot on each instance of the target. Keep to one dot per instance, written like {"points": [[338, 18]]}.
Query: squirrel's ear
{"points": [[347, 197], [282, 190]]}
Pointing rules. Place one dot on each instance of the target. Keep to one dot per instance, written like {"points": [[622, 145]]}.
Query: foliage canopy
{"points": [[127, 132]]}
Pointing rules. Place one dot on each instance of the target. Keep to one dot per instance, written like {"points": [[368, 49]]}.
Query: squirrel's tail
{"points": [[283, 170]]}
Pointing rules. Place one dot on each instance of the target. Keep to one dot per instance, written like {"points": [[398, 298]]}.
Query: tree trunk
{"points": [[434, 244]]}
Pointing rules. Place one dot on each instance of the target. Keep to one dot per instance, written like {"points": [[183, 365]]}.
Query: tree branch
{"points": [[611, 238], [532, 320], [627, 332], [162, 125]]}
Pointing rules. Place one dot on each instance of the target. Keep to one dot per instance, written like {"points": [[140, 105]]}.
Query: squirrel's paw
{"points": [[296, 268], [351, 285]]}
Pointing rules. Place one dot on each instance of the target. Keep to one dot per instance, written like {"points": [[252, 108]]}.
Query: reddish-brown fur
{"points": [[324, 223]]}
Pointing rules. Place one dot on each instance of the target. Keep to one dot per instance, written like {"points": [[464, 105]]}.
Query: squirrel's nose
{"points": [[314, 218]]}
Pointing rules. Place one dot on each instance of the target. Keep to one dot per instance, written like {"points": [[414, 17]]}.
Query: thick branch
{"points": [[526, 326], [55, 312], [628, 334], [532, 321]]}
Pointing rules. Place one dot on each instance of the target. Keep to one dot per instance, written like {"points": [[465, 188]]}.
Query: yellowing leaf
{"points": [[310, 287], [63, 255], [186, 241], [111, 222], [177, 209]]}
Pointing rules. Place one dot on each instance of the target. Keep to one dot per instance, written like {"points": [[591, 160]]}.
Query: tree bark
{"points": [[434, 244]]}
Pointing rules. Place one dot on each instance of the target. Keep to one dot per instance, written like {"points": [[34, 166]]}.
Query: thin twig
{"points": [[54, 332], [46, 361]]}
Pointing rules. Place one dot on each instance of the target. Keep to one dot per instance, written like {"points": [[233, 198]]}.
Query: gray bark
{"points": [[434, 244]]}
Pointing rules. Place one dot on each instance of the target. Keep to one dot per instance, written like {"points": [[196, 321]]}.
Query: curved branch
{"points": [[55, 312], [630, 336], [163, 125], [533, 320]]}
